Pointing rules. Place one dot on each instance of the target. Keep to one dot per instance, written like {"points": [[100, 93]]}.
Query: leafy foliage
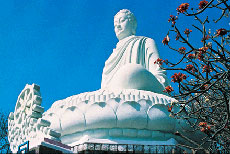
{"points": [[4, 143], [203, 73]]}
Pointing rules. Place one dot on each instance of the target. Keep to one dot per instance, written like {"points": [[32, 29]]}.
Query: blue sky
{"points": [[62, 45]]}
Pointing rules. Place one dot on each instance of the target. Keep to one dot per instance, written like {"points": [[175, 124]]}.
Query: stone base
{"points": [[50, 146], [43, 149]]}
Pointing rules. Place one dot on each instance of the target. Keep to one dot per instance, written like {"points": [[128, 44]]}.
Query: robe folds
{"points": [[133, 50]]}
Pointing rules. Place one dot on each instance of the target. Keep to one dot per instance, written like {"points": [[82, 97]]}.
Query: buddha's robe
{"points": [[135, 50]]}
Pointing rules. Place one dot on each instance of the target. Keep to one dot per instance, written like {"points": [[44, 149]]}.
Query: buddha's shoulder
{"points": [[148, 41], [145, 38]]}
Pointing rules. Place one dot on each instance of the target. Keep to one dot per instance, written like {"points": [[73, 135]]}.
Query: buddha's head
{"points": [[125, 24]]}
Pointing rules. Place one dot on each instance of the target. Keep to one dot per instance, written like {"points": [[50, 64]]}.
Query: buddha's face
{"points": [[123, 27]]}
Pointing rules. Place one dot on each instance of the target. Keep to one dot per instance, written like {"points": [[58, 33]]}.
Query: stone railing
{"points": [[127, 148]]}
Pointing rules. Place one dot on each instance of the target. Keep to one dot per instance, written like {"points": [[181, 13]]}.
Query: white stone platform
{"points": [[123, 114]]}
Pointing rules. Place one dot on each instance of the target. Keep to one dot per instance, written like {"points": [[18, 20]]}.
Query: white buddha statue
{"points": [[131, 65], [128, 109]]}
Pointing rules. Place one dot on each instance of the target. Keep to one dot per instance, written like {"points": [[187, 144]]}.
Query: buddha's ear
{"points": [[134, 27]]}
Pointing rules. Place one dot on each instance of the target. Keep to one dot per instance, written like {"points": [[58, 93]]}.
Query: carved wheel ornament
{"points": [[29, 96], [26, 123]]}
